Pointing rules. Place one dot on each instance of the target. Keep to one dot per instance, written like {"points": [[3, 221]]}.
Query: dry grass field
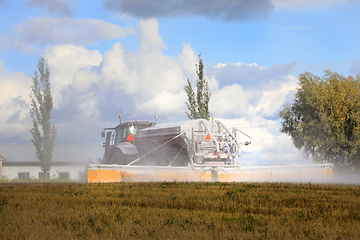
{"points": [[179, 211]]}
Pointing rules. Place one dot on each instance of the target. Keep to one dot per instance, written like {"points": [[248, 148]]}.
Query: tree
{"points": [[324, 120], [43, 132], [198, 105]]}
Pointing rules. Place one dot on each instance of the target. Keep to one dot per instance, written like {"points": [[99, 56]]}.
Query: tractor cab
{"points": [[128, 132], [121, 139]]}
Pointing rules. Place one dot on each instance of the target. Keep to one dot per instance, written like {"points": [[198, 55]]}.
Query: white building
{"points": [[68, 162]]}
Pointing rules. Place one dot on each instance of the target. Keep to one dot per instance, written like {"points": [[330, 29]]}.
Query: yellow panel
{"points": [[204, 176], [235, 176], [103, 176], [181, 177], [166, 176], [130, 176]]}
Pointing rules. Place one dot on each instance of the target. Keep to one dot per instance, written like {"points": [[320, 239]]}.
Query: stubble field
{"points": [[179, 210]]}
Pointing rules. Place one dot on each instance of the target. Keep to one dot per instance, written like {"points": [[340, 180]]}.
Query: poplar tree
{"points": [[198, 105], [43, 132]]}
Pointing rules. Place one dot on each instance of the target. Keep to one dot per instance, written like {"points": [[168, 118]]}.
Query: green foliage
{"points": [[198, 105], [43, 132], [324, 120], [191, 104], [166, 210]]}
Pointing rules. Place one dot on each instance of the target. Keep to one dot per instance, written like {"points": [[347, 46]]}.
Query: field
{"points": [[179, 210]]}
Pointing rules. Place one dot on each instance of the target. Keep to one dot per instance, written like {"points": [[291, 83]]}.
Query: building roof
{"points": [[62, 153], [1, 158]]}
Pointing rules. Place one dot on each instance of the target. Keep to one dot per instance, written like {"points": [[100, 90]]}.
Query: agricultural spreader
{"points": [[194, 150]]}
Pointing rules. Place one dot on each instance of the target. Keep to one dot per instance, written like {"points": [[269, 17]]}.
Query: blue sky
{"points": [[132, 58]]}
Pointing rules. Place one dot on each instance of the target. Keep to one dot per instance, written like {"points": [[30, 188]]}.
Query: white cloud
{"points": [[274, 98], [240, 89], [165, 104], [67, 65], [149, 38], [187, 60], [146, 72], [231, 100], [44, 31], [119, 68], [14, 106], [87, 104], [84, 78]]}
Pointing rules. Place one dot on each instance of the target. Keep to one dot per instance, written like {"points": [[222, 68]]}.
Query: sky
{"points": [[111, 57]]}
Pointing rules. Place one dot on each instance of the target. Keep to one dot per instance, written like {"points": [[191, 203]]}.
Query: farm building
{"points": [[68, 162]]}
